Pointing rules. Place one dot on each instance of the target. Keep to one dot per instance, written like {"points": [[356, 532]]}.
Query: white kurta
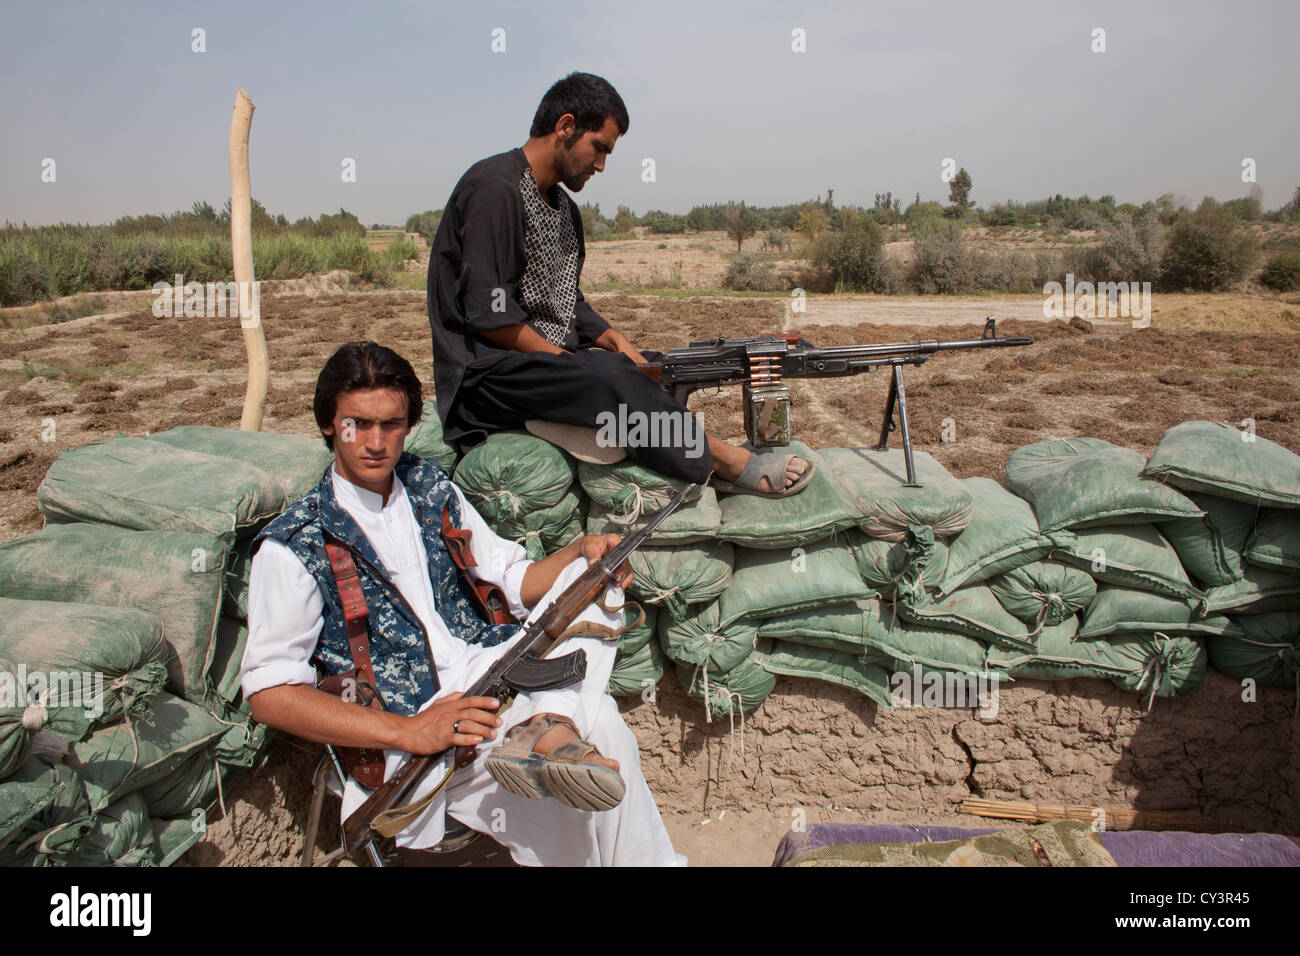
{"points": [[285, 619]]}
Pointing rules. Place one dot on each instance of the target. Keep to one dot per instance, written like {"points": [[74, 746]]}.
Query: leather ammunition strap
{"points": [[491, 600], [365, 764]]}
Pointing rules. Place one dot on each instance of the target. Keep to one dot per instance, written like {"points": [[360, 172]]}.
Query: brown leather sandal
{"points": [[562, 774]]}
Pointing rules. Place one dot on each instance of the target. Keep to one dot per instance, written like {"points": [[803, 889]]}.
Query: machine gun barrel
{"points": [[762, 363]]}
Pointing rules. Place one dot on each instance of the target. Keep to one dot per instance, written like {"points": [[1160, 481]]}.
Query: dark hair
{"points": [[358, 366], [588, 97]]}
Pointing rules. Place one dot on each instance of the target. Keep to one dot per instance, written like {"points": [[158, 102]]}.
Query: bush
{"points": [[1282, 272], [850, 258], [425, 223], [22, 279], [941, 261], [1207, 251], [745, 273]]}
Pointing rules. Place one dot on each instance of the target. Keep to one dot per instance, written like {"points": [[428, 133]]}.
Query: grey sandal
{"points": [[772, 467], [562, 774]]}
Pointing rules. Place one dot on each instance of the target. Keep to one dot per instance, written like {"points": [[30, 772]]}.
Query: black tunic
{"points": [[481, 276]]}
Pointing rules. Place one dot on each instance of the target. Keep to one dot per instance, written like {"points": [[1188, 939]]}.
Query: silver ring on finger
{"points": [[455, 728]]}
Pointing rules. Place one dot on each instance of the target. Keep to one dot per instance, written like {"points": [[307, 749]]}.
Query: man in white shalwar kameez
{"points": [[286, 618]]}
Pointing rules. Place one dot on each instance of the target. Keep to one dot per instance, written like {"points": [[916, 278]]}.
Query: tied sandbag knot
{"points": [[631, 512], [1156, 667], [674, 605], [34, 717], [1053, 611], [511, 498]]}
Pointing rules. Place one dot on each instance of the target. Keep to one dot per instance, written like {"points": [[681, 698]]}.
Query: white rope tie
{"points": [[511, 498], [733, 707], [1155, 668], [35, 715], [632, 513]]}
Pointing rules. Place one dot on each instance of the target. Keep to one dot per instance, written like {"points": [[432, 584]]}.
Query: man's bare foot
{"points": [[558, 736]]}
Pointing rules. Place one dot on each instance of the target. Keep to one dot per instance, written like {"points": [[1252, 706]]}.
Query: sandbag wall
{"points": [[122, 629], [1087, 561]]}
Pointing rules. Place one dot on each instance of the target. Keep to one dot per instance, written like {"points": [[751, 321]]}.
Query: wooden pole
{"points": [[241, 240]]}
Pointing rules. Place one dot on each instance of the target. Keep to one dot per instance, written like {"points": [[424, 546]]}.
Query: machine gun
{"points": [[762, 364]]}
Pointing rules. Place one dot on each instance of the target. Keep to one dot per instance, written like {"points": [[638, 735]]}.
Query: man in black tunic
{"points": [[513, 337]]}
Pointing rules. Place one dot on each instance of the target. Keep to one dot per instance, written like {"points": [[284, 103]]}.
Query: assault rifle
{"points": [[762, 364], [521, 668]]}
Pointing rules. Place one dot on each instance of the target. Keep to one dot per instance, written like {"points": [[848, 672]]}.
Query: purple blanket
{"points": [[1128, 847]]}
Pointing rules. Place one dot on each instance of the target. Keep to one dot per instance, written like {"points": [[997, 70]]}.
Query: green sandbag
{"points": [[767, 583], [556, 537], [239, 570], [1267, 650], [1085, 482], [1002, 534], [897, 568], [244, 743], [151, 486], [1130, 556], [1173, 666], [176, 575], [542, 530], [1043, 592], [124, 758], [741, 689], [635, 673], [673, 578], [871, 630], [973, 611], [1219, 460], [512, 474], [120, 835], [1260, 591], [425, 439], [39, 796], [1117, 611], [188, 786], [176, 837], [843, 670], [296, 462], [629, 490], [1276, 541], [1210, 548], [91, 664], [693, 522], [636, 637], [874, 483], [701, 639], [227, 658], [813, 514]]}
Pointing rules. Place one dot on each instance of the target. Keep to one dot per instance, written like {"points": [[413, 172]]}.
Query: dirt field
{"points": [[810, 747]]}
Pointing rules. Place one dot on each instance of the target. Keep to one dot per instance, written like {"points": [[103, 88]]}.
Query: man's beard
{"points": [[573, 179]]}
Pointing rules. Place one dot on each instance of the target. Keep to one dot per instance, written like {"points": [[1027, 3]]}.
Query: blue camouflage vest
{"points": [[399, 647]]}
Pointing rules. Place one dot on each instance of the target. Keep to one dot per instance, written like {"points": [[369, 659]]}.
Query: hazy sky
{"points": [[137, 122]]}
